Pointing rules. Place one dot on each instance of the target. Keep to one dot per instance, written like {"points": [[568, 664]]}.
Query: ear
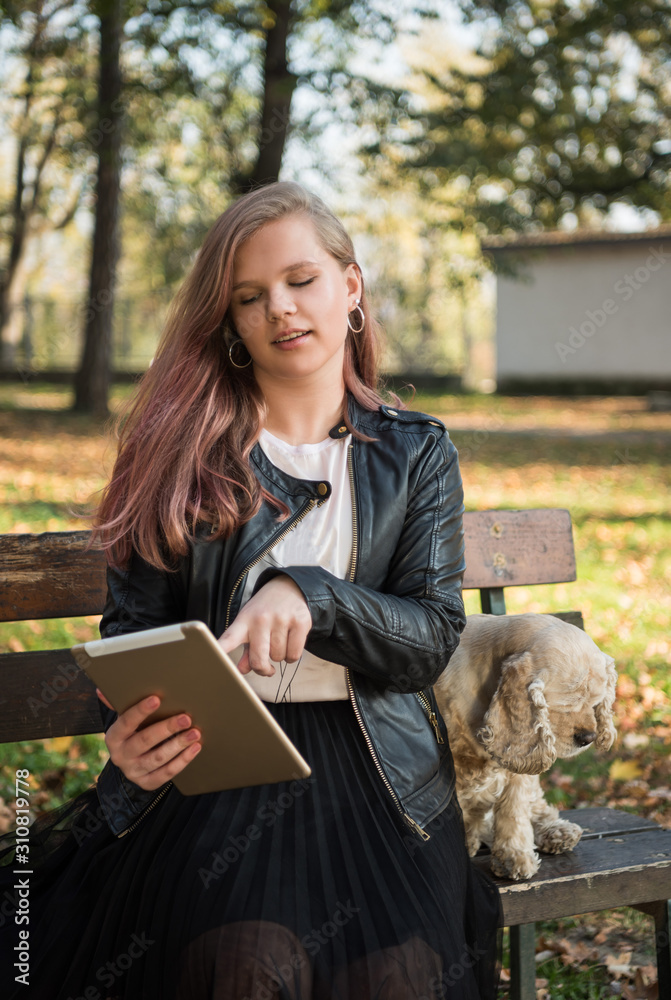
{"points": [[516, 730], [605, 730]]}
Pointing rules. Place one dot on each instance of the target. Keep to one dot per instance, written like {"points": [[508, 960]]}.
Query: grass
{"points": [[564, 982], [606, 460]]}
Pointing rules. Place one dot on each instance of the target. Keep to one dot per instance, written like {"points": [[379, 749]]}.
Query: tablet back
{"points": [[242, 744]]}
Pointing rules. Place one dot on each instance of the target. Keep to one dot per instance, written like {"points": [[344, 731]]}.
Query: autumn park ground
{"points": [[605, 459]]}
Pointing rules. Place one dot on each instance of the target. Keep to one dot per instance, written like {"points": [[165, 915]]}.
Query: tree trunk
{"points": [[278, 87], [17, 237], [92, 381], [8, 278]]}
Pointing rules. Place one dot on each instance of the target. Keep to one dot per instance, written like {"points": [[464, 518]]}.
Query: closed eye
{"points": [[295, 284]]}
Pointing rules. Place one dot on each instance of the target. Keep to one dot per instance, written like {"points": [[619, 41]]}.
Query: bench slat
{"points": [[512, 548], [572, 617], [50, 576], [621, 868], [45, 694], [600, 821]]}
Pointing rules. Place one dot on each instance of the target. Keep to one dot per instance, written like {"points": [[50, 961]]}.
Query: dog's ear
{"points": [[605, 730], [516, 730]]}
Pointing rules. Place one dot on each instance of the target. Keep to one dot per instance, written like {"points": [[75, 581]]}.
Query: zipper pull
{"points": [[416, 827], [433, 719]]}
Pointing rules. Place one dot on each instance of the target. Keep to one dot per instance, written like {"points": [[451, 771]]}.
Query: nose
{"points": [[280, 302], [583, 737]]}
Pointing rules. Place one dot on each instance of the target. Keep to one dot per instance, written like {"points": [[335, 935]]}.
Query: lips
{"points": [[290, 335]]}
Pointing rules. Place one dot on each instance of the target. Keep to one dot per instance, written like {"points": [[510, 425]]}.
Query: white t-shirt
{"points": [[322, 538]]}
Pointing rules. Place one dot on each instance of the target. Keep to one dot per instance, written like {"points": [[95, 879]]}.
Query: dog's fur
{"points": [[518, 692]]}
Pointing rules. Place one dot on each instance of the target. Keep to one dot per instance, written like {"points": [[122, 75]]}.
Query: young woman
{"points": [[264, 487]]}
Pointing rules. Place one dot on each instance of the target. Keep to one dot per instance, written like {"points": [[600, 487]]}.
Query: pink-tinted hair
{"points": [[185, 440]]}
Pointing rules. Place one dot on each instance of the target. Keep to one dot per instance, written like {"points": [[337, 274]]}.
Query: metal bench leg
{"points": [[660, 911], [662, 915], [523, 962]]}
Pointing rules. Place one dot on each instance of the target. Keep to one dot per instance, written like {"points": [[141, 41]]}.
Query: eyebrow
{"points": [[291, 267]]}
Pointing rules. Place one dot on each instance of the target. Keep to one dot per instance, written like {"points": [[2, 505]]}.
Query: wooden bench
{"points": [[622, 860]]}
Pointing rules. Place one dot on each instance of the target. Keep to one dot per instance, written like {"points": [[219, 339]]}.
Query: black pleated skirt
{"points": [[308, 890]]}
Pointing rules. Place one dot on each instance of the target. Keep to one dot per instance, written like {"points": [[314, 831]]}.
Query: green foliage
{"points": [[48, 91], [566, 111], [60, 768], [198, 78]]}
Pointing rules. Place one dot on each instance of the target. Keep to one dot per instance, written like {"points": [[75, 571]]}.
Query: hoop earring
{"points": [[363, 318], [230, 355]]}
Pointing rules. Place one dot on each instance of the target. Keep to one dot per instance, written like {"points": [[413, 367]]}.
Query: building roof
{"points": [[571, 238]]}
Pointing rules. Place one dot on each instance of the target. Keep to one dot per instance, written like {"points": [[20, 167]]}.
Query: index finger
{"points": [[237, 634]]}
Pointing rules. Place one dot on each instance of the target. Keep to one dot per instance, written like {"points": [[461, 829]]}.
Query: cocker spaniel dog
{"points": [[519, 692]]}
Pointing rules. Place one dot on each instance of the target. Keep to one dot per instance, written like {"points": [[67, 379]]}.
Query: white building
{"points": [[583, 310]]}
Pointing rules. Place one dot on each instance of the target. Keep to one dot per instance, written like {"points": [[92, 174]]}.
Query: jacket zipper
{"points": [[369, 743], [313, 502], [145, 811], [350, 686], [433, 718], [355, 527]]}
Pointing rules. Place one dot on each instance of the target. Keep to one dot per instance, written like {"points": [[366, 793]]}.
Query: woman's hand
{"points": [[143, 756], [272, 625]]}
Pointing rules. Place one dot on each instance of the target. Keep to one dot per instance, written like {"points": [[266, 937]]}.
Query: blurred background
{"points": [[474, 149], [503, 169]]}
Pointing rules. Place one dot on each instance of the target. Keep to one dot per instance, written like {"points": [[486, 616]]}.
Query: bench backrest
{"points": [[45, 694]]}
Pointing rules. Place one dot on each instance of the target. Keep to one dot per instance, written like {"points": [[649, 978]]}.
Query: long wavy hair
{"points": [[186, 436]]}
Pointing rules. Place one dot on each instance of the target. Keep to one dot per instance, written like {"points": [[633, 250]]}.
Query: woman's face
{"points": [[284, 282]]}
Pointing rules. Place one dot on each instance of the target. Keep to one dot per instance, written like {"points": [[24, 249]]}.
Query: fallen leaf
{"points": [[649, 971], [624, 770], [640, 990], [638, 789], [620, 966], [58, 743], [7, 818]]}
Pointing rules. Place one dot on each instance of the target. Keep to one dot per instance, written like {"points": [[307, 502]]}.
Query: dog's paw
{"points": [[557, 837], [473, 842], [515, 864]]}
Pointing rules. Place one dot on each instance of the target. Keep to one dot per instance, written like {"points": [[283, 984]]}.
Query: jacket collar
{"points": [[293, 487], [357, 414]]}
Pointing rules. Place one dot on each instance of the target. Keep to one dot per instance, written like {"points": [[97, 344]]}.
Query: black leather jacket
{"points": [[393, 623]]}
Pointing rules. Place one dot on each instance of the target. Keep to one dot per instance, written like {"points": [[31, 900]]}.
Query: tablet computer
{"points": [[185, 666]]}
